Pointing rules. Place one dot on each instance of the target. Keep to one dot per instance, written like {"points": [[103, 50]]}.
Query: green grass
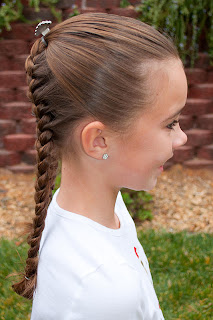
{"points": [[12, 306], [180, 263], [181, 267]]}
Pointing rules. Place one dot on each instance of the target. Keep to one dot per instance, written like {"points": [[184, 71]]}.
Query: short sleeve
{"points": [[109, 293]]}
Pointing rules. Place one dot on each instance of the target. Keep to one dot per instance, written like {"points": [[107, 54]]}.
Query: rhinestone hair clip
{"points": [[43, 28]]}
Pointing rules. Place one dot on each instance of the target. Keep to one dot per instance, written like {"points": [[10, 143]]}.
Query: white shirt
{"points": [[87, 271]]}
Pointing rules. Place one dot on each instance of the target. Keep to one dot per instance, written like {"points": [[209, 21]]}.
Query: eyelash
{"points": [[171, 125]]}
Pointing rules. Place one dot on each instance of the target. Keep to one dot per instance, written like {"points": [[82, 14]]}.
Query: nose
{"points": [[180, 139]]}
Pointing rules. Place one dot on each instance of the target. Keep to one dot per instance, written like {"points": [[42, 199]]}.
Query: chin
{"points": [[146, 183], [149, 186], [145, 187]]}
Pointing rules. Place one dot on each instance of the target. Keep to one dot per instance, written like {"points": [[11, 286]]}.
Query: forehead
{"points": [[168, 85]]}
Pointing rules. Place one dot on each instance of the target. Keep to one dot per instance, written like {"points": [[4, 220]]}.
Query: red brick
{"points": [[78, 3], [106, 4], [21, 94], [135, 2], [9, 158], [198, 137], [18, 62], [65, 4], [210, 76], [91, 9], [209, 68], [94, 3], [5, 63], [12, 79], [7, 127], [25, 2], [183, 153], [22, 31], [206, 152], [16, 110], [19, 142], [29, 157], [124, 12], [205, 121], [28, 126], [6, 95], [13, 48], [67, 12], [195, 75], [196, 106], [210, 108], [21, 168], [43, 14], [186, 122], [203, 60], [198, 163], [201, 91]]}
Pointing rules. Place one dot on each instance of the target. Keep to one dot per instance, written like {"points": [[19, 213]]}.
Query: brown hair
{"points": [[91, 68]]}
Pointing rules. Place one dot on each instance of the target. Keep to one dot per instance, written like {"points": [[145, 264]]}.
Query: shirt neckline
{"points": [[83, 219]]}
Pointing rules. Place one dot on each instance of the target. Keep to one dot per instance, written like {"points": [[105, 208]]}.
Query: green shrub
{"points": [[184, 20], [124, 3], [10, 11], [48, 3], [13, 10], [137, 203]]}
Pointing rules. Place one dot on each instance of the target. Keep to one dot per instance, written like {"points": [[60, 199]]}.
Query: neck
{"points": [[86, 194]]}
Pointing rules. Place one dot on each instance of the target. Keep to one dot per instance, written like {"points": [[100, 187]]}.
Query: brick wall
{"points": [[17, 126]]}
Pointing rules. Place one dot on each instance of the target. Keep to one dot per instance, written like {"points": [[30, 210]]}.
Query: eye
{"points": [[171, 125]]}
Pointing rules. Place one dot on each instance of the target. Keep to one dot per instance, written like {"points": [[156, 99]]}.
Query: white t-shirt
{"points": [[87, 271]]}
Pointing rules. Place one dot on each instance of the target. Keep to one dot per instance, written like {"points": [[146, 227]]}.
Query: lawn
{"points": [[180, 263], [181, 266]]}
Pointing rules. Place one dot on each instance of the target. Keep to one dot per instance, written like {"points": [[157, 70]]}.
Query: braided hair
{"points": [[96, 66], [46, 169]]}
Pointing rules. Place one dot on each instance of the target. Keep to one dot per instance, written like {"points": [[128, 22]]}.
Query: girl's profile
{"points": [[107, 93]]}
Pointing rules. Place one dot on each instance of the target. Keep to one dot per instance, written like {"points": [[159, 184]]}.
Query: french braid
{"points": [[46, 171]]}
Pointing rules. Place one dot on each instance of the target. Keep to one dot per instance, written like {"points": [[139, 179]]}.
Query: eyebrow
{"points": [[174, 115]]}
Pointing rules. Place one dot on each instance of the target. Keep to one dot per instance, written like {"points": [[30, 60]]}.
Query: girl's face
{"points": [[155, 135]]}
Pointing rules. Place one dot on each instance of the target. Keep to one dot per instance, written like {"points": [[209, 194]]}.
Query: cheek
{"points": [[155, 149], [137, 162], [144, 150], [135, 154]]}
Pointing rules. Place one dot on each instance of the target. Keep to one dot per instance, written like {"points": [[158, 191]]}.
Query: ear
{"points": [[93, 138]]}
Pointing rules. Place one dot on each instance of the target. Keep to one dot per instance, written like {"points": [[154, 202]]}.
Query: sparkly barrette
{"points": [[43, 28]]}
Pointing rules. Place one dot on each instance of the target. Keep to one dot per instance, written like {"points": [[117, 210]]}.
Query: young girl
{"points": [[107, 92]]}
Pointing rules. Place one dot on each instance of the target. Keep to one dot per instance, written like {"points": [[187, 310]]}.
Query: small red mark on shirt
{"points": [[159, 305], [136, 252]]}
